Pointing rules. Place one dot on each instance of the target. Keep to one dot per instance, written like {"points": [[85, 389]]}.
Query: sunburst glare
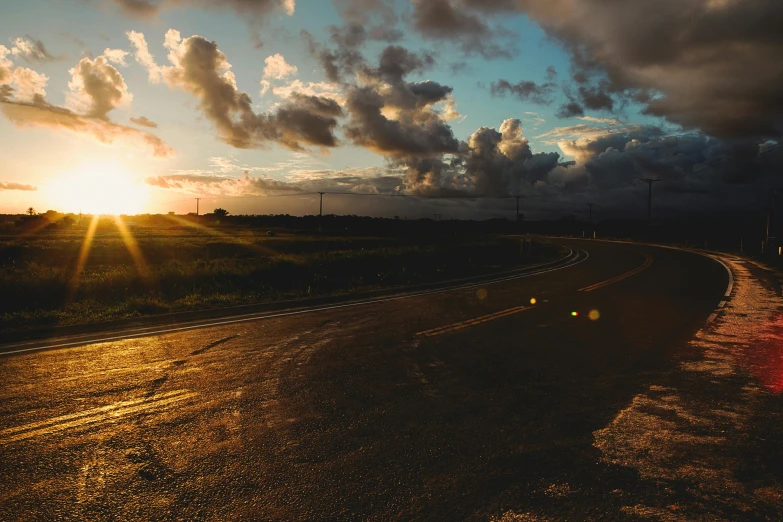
{"points": [[99, 188]]}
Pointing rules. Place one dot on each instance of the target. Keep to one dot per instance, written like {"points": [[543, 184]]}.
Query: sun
{"points": [[98, 188]]}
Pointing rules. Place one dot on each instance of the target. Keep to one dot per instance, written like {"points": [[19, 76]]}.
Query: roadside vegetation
{"points": [[171, 268]]}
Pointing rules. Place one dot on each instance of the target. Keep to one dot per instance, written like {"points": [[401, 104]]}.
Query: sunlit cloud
{"points": [[277, 68], [199, 68], [4, 185], [31, 50], [96, 88]]}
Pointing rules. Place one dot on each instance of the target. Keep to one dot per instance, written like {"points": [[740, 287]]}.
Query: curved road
{"points": [[453, 405]]}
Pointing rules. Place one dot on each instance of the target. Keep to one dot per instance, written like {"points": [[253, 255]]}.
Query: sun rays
{"points": [[83, 254], [135, 252]]}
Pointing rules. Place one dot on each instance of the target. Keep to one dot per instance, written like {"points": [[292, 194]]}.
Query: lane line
{"points": [[578, 259], [112, 411], [473, 322], [647, 262], [715, 256]]}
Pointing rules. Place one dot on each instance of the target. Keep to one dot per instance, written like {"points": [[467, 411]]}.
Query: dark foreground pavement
{"points": [[470, 404]]}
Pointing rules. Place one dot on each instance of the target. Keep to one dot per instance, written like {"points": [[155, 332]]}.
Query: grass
{"points": [[186, 270]]}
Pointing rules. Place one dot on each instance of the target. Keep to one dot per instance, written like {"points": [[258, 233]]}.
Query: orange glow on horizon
{"points": [[98, 188]]}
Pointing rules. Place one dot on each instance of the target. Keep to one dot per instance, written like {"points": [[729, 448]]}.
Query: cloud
{"points": [[138, 8], [277, 68], [372, 180], [451, 20], [28, 85], [144, 57], [396, 62], [116, 56], [336, 63], [593, 119], [31, 50], [323, 89], [413, 133], [212, 185], [4, 185], [96, 89], [5, 65], [499, 163], [202, 70], [704, 65], [570, 109], [49, 116], [366, 20], [527, 90], [597, 130], [253, 10], [143, 121]]}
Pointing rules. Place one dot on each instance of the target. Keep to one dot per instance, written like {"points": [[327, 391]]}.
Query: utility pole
{"points": [[649, 182], [198, 201], [321, 213]]}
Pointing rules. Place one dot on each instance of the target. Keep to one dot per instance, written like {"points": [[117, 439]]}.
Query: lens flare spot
{"points": [[594, 315], [481, 294], [533, 300], [574, 314]]}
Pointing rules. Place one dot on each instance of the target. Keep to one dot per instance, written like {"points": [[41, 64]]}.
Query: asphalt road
{"points": [[463, 404]]}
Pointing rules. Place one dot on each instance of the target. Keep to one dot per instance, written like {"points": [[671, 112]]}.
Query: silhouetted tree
{"points": [[31, 211], [220, 212]]}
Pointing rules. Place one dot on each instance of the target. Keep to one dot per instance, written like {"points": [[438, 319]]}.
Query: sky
{"points": [[129, 106]]}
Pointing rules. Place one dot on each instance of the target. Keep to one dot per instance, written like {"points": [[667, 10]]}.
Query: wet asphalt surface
{"points": [[352, 414]]}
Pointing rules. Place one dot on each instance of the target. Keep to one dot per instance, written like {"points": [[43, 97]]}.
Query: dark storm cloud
{"points": [[691, 160], [500, 163], [202, 70], [396, 118], [138, 8], [430, 92], [596, 98], [339, 64], [450, 20], [527, 90], [570, 110], [366, 11], [367, 19], [396, 62], [414, 133], [715, 65]]}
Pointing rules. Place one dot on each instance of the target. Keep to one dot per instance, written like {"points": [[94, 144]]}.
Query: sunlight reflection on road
{"points": [[764, 358], [682, 430]]}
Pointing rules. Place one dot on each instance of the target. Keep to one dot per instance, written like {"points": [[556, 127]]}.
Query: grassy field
{"points": [[179, 268]]}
